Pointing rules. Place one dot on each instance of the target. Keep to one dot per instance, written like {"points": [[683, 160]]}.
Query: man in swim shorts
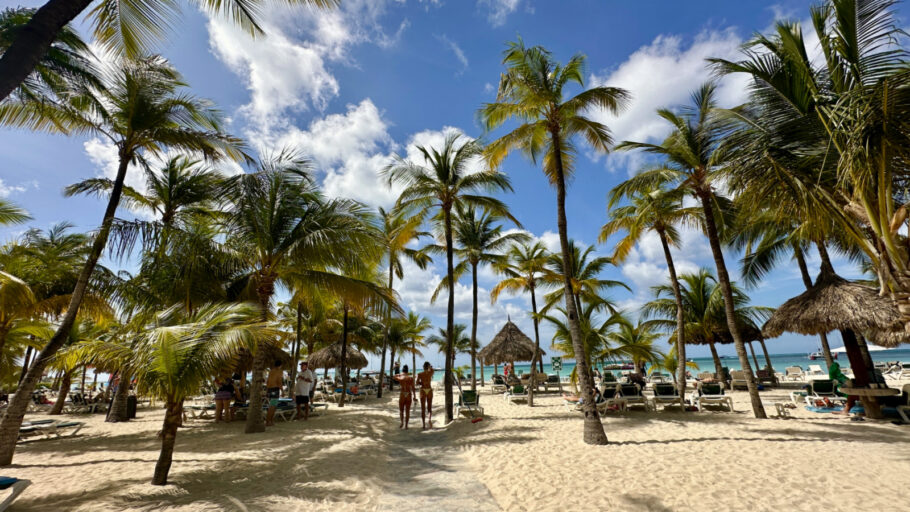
{"points": [[305, 382], [425, 380], [273, 387]]}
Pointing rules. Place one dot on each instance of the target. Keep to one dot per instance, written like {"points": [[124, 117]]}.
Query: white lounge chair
{"points": [[665, 394], [498, 384], [517, 393], [905, 371], [738, 379], [794, 373], [904, 410], [631, 394], [15, 486], [712, 393], [821, 389], [815, 369]]}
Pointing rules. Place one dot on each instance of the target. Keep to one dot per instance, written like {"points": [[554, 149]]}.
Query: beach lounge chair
{"points": [[666, 394], [905, 371], [518, 393], [706, 376], [712, 393], [794, 373], [821, 389], [766, 377], [631, 393], [198, 412], [553, 381], [738, 379], [469, 400], [499, 384], [815, 369], [49, 428], [319, 408], [659, 378], [609, 378], [14, 487], [904, 410]]}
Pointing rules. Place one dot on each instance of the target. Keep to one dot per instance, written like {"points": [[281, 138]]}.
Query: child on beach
{"points": [[425, 379], [404, 399]]}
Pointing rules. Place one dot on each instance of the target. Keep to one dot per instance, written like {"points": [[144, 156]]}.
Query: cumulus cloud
{"points": [[6, 190], [498, 10], [663, 74]]}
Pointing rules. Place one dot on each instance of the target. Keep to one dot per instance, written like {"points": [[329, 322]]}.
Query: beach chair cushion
{"points": [[711, 388], [7, 481], [663, 390], [822, 386], [629, 390], [468, 398]]}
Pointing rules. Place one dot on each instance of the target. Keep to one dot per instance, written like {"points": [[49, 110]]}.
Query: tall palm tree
{"points": [[68, 360], [531, 91], [523, 266], [11, 214], [584, 272], [655, 209], [142, 110], [131, 29], [694, 163], [413, 340], [436, 188], [595, 329], [398, 231], [480, 241], [285, 232], [635, 341]]}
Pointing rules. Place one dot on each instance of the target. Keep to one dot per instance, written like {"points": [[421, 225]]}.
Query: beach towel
{"points": [[857, 409]]}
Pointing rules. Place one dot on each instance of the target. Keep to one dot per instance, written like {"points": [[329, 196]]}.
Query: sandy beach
{"points": [[518, 458]]}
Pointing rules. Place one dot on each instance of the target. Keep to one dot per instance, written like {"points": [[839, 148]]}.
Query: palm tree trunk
{"points": [[680, 320], [391, 366], [718, 366], [536, 345], [593, 432], [82, 384], [474, 328], [754, 358], [727, 290], [480, 363], [767, 356], [12, 420], [34, 40], [254, 421], [344, 357], [117, 412], [25, 362], [450, 319], [61, 394], [385, 337], [807, 281], [172, 418]]}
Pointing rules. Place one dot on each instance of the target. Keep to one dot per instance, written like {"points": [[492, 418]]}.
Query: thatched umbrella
{"points": [[834, 303], [330, 357], [508, 346], [888, 339]]}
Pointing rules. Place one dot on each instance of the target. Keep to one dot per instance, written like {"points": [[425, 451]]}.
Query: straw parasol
{"points": [[244, 358], [888, 339], [509, 345], [833, 303], [330, 357]]}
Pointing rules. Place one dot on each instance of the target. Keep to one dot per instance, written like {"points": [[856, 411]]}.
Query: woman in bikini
{"points": [[404, 398], [425, 379]]}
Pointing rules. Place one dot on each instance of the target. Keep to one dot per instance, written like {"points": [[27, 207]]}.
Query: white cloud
{"points": [[663, 74], [489, 88], [459, 53], [498, 10], [6, 190]]}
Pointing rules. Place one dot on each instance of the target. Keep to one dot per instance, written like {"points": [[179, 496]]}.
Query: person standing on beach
{"points": [[396, 370], [404, 398], [273, 386], [302, 389], [425, 379]]}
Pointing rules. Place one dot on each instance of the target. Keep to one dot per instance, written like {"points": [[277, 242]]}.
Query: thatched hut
{"points": [[508, 346], [330, 357], [833, 303]]}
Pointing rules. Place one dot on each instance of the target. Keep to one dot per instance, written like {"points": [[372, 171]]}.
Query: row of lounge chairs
{"points": [[623, 396], [48, 429]]}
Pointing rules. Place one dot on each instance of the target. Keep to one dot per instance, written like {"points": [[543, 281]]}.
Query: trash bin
{"points": [[131, 403]]}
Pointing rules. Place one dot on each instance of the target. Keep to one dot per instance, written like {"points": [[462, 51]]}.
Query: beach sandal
{"points": [[857, 418]]}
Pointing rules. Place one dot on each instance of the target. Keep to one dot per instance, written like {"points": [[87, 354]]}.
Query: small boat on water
{"points": [[818, 354]]}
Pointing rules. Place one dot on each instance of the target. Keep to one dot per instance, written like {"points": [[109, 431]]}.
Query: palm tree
{"points": [[68, 360], [398, 231], [11, 214], [480, 241], [595, 330], [584, 276], [658, 209], [142, 110], [128, 28], [523, 266], [635, 342], [413, 327], [437, 187], [694, 163], [531, 91]]}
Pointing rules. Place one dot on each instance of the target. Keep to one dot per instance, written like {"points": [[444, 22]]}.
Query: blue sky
{"points": [[377, 77]]}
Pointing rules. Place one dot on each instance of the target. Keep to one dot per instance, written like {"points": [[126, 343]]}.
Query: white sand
{"points": [[518, 458]]}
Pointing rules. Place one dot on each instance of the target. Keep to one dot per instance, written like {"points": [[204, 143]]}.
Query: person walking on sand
{"points": [[305, 380], [404, 398], [273, 386], [425, 379], [225, 391]]}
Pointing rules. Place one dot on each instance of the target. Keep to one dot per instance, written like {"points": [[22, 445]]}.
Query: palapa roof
{"points": [[330, 357], [888, 339], [243, 361], [834, 303], [509, 345]]}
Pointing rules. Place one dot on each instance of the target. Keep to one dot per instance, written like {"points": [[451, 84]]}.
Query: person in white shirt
{"points": [[305, 382]]}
